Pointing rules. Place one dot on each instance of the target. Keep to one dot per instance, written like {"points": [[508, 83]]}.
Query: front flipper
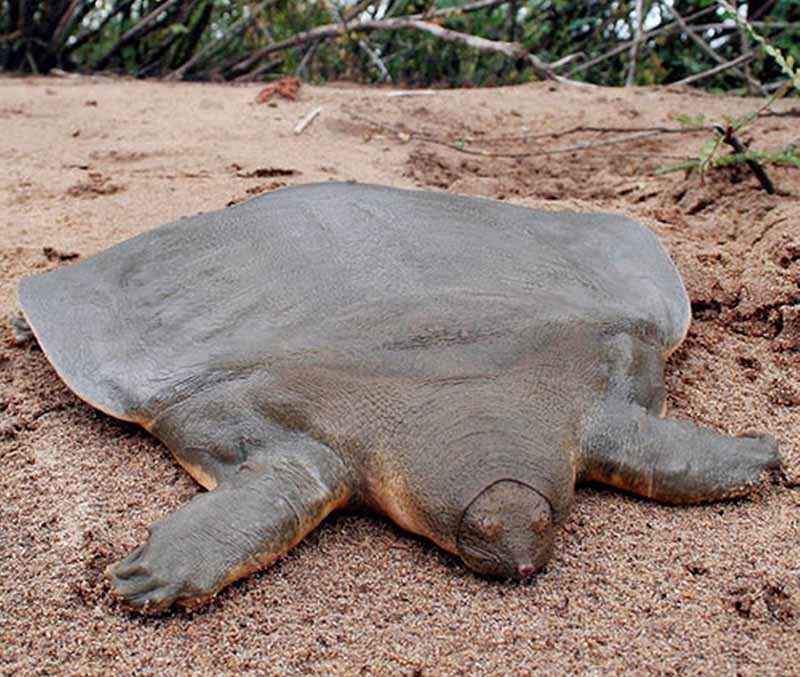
{"points": [[670, 460], [21, 332], [245, 524]]}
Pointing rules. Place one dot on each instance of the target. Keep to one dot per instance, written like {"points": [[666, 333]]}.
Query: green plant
{"points": [[726, 132]]}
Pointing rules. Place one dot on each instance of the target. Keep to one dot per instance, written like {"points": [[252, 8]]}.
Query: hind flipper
{"points": [[670, 460]]}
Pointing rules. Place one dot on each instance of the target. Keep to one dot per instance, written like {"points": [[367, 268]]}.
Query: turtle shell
{"points": [[358, 272]]}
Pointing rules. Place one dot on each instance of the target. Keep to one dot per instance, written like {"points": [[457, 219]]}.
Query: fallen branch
{"points": [[328, 31], [641, 133], [694, 129], [417, 22], [513, 50], [542, 152], [713, 71]]}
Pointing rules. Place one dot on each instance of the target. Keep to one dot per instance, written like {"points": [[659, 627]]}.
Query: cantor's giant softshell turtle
{"points": [[456, 364]]}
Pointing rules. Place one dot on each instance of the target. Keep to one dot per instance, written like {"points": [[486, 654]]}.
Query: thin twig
{"points": [[248, 16], [373, 56], [705, 47], [261, 70], [88, 35], [76, 11], [412, 92], [713, 71], [363, 45], [552, 151], [766, 25], [512, 50], [566, 60], [752, 86], [406, 136], [671, 26], [416, 22], [307, 57], [357, 9], [145, 25], [300, 127], [635, 46], [577, 129]]}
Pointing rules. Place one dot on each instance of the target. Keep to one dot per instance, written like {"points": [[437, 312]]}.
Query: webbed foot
{"points": [[225, 534], [176, 564], [751, 455], [674, 461]]}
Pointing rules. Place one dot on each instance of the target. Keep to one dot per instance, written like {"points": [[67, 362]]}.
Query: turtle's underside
{"points": [[455, 364]]}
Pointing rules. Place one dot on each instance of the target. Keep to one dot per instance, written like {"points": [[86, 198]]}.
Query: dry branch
{"points": [[241, 23], [705, 47], [630, 79], [636, 135], [566, 60], [668, 28], [89, 34], [765, 25], [589, 145], [412, 92], [300, 127], [75, 12], [713, 71], [254, 75], [145, 25], [513, 50], [417, 22], [373, 56]]}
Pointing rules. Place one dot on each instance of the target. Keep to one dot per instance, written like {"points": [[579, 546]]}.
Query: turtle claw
{"points": [[138, 588], [155, 575], [763, 448]]}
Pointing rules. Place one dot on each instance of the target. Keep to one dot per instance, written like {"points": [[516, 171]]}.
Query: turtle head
{"points": [[507, 531]]}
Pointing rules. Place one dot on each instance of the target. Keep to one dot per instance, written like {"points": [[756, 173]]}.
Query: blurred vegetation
{"points": [[223, 40]]}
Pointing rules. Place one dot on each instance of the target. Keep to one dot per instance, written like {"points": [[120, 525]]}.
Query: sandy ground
{"points": [[634, 586]]}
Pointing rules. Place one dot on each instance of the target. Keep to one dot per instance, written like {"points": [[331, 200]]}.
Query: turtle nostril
{"points": [[526, 569]]}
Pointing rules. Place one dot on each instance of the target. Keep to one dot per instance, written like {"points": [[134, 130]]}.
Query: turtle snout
{"points": [[507, 531]]}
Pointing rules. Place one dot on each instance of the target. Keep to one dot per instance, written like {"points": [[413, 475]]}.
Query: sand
{"points": [[634, 587]]}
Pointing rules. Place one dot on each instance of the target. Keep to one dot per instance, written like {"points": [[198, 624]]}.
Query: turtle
{"points": [[456, 364]]}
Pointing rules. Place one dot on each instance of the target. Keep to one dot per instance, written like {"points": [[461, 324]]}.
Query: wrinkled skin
{"points": [[457, 365]]}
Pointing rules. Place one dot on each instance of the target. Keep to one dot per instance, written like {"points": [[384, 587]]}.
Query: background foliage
{"points": [[213, 39]]}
